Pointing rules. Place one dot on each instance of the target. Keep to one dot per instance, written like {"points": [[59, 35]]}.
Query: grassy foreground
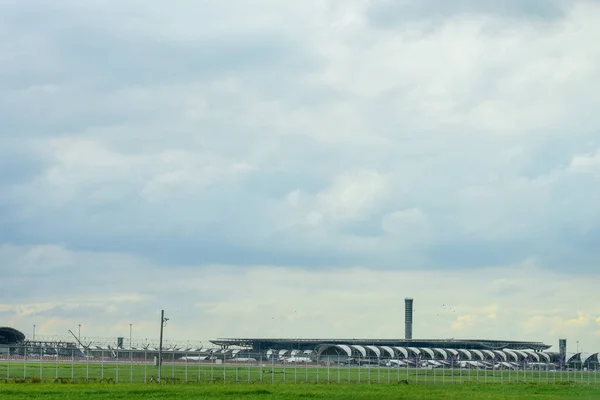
{"points": [[126, 373], [280, 391]]}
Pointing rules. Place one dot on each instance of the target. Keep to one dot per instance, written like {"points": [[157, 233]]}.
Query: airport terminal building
{"points": [[422, 353], [478, 353]]}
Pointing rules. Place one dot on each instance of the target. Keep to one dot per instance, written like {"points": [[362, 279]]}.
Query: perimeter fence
{"points": [[177, 367]]}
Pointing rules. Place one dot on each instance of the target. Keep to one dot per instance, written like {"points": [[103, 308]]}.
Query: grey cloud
{"points": [[365, 228], [20, 162], [76, 282], [139, 61], [389, 12], [577, 245], [508, 289], [474, 253], [245, 223], [220, 301], [62, 78], [171, 154], [185, 152], [547, 154], [115, 63], [168, 243]]}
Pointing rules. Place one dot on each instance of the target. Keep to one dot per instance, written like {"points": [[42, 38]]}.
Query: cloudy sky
{"points": [[295, 169]]}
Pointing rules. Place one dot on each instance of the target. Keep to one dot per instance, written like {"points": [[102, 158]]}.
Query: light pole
{"points": [[130, 357], [163, 323], [579, 355], [33, 332], [79, 333]]}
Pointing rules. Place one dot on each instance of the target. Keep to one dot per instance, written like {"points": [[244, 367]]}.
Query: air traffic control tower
{"points": [[408, 318]]}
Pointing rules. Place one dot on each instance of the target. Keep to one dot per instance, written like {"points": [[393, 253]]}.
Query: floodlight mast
{"points": [[163, 323]]}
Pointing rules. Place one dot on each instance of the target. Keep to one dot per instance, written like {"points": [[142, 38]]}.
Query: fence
{"points": [[141, 366]]}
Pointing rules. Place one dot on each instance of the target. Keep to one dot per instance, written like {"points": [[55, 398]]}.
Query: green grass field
{"points": [[124, 372], [47, 391]]}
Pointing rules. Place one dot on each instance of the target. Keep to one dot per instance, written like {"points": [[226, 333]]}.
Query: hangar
{"points": [[10, 336]]}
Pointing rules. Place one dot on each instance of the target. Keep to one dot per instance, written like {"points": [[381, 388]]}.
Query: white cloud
{"points": [[411, 225], [560, 325], [349, 142], [589, 163], [463, 323], [351, 196], [220, 301]]}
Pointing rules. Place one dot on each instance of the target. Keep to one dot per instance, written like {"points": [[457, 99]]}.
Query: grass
{"points": [[46, 391], [125, 372], [195, 381]]}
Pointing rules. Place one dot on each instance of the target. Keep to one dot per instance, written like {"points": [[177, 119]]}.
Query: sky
{"points": [[296, 169]]}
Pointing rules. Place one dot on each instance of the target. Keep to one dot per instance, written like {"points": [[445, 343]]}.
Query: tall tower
{"points": [[408, 318], [562, 350]]}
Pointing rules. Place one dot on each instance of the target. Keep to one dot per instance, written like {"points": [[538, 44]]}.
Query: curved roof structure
{"points": [[428, 351], [533, 355], [583, 358], [388, 350], [592, 358], [322, 348], [441, 352], [375, 350], [346, 349], [511, 353], [524, 355], [449, 349], [360, 349], [416, 352], [402, 350], [505, 355], [489, 353], [262, 344], [10, 335], [454, 353], [467, 353], [545, 355]]}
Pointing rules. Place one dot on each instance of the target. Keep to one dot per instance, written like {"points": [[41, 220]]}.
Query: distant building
{"points": [[10, 336]]}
